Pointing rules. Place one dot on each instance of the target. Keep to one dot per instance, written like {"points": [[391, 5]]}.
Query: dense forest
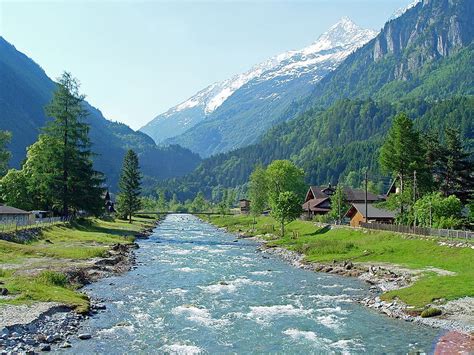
{"points": [[327, 144]]}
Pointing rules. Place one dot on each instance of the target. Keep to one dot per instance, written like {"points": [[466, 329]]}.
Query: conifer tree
{"points": [[457, 172], [402, 154], [63, 153], [130, 186]]}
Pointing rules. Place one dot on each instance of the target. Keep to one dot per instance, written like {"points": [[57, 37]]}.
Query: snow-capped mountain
{"points": [[254, 100]]}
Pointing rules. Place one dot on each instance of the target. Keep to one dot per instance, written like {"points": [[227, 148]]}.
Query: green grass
{"points": [[319, 245], [59, 244]]}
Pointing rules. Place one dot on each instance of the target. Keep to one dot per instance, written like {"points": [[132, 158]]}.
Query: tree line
{"points": [[58, 173]]}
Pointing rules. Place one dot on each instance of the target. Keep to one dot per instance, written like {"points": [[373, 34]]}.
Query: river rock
{"points": [[84, 336], [65, 345], [3, 291], [45, 347]]}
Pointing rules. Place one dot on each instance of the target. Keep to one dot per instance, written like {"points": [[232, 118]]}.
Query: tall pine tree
{"points": [[66, 154], [457, 172], [130, 186], [402, 155]]}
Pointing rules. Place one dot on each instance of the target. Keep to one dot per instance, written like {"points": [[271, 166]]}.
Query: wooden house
{"points": [[244, 205], [318, 198], [357, 214]]}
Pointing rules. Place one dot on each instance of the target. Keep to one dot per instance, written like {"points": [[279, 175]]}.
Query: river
{"points": [[196, 290]]}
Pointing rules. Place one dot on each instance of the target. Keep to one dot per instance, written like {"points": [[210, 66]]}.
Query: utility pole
{"points": [[366, 207], [431, 215], [401, 196], [414, 196]]}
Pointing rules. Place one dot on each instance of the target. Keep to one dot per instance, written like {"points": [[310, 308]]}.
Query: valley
{"points": [[319, 201]]}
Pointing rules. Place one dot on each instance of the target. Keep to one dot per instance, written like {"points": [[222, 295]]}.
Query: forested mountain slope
{"points": [[24, 91]]}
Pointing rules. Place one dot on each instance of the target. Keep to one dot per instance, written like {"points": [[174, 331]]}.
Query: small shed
{"points": [[244, 205], [13, 215], [356, 213]]}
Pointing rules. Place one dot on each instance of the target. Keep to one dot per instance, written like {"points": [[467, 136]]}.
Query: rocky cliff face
{"points": [[430, 30], [418, 43]]}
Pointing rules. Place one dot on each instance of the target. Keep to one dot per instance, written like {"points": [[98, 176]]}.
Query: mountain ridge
{"points": [[294, 70]]}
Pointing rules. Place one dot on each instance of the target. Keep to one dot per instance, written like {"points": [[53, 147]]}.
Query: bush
{"points": [[53, 278], [431, 312]]}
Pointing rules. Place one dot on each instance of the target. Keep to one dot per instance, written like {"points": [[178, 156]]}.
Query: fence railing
{"points": [[8, 225], [426, 231]]}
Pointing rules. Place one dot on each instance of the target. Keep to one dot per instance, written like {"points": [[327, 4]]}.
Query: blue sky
{"points": [[136, 59]]}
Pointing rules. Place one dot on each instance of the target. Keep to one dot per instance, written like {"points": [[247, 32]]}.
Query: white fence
{"points": [[13, 225], [433, 232]]}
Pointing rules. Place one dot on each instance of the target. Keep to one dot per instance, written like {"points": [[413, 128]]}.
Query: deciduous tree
{"points": [[286, 208], [258, 191]]}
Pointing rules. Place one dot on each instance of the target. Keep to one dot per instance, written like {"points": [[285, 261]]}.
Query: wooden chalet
{"points": [[318, 198], [356, 214]]}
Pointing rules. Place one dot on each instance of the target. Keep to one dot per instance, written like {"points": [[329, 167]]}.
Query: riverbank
{"points": [[42, 305], [408, 275]]}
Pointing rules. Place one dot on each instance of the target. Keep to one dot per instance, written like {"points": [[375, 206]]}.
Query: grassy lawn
{"points": [[321, 245], [58, 247]]}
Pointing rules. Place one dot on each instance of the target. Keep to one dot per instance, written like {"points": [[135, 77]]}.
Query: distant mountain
{"points": [[24, 91], [235, 112], [421, 63]]}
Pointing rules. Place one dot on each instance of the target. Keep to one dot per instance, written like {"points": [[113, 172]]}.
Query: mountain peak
{"points": [[343, 33]]}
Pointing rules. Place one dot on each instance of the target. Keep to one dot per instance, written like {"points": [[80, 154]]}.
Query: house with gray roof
{"points": [[11, 215], [357, 214]]}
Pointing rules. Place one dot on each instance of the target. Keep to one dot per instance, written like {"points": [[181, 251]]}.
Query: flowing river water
{"points": [[196, 290]]}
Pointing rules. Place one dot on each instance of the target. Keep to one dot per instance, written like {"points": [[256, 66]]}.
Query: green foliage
{"points": [[128, 200], [284, 176], [434, 210], [456, 169], [339, 205], [73, 182], [52, 278], [5, 155], [199, 203], [286, 208], [326, 144], [431, 312], [258, 191], [401, 154], [14, 190]]}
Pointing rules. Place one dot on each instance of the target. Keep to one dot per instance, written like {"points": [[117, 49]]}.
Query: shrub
{"points": [[431, 312], [53, 278]]}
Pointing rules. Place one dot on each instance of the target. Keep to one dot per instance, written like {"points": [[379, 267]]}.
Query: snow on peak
{"points": [[342, 38], [402, 10], [343, 33]]}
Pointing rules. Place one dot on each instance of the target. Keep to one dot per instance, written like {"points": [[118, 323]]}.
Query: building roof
{"points": [[314, 202], [373, 212], [11, 210], [359, 195], [350, 194]]}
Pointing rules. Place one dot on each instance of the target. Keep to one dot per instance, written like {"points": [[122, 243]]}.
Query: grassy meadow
{"points": [[33, 271], [326, 245]]}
